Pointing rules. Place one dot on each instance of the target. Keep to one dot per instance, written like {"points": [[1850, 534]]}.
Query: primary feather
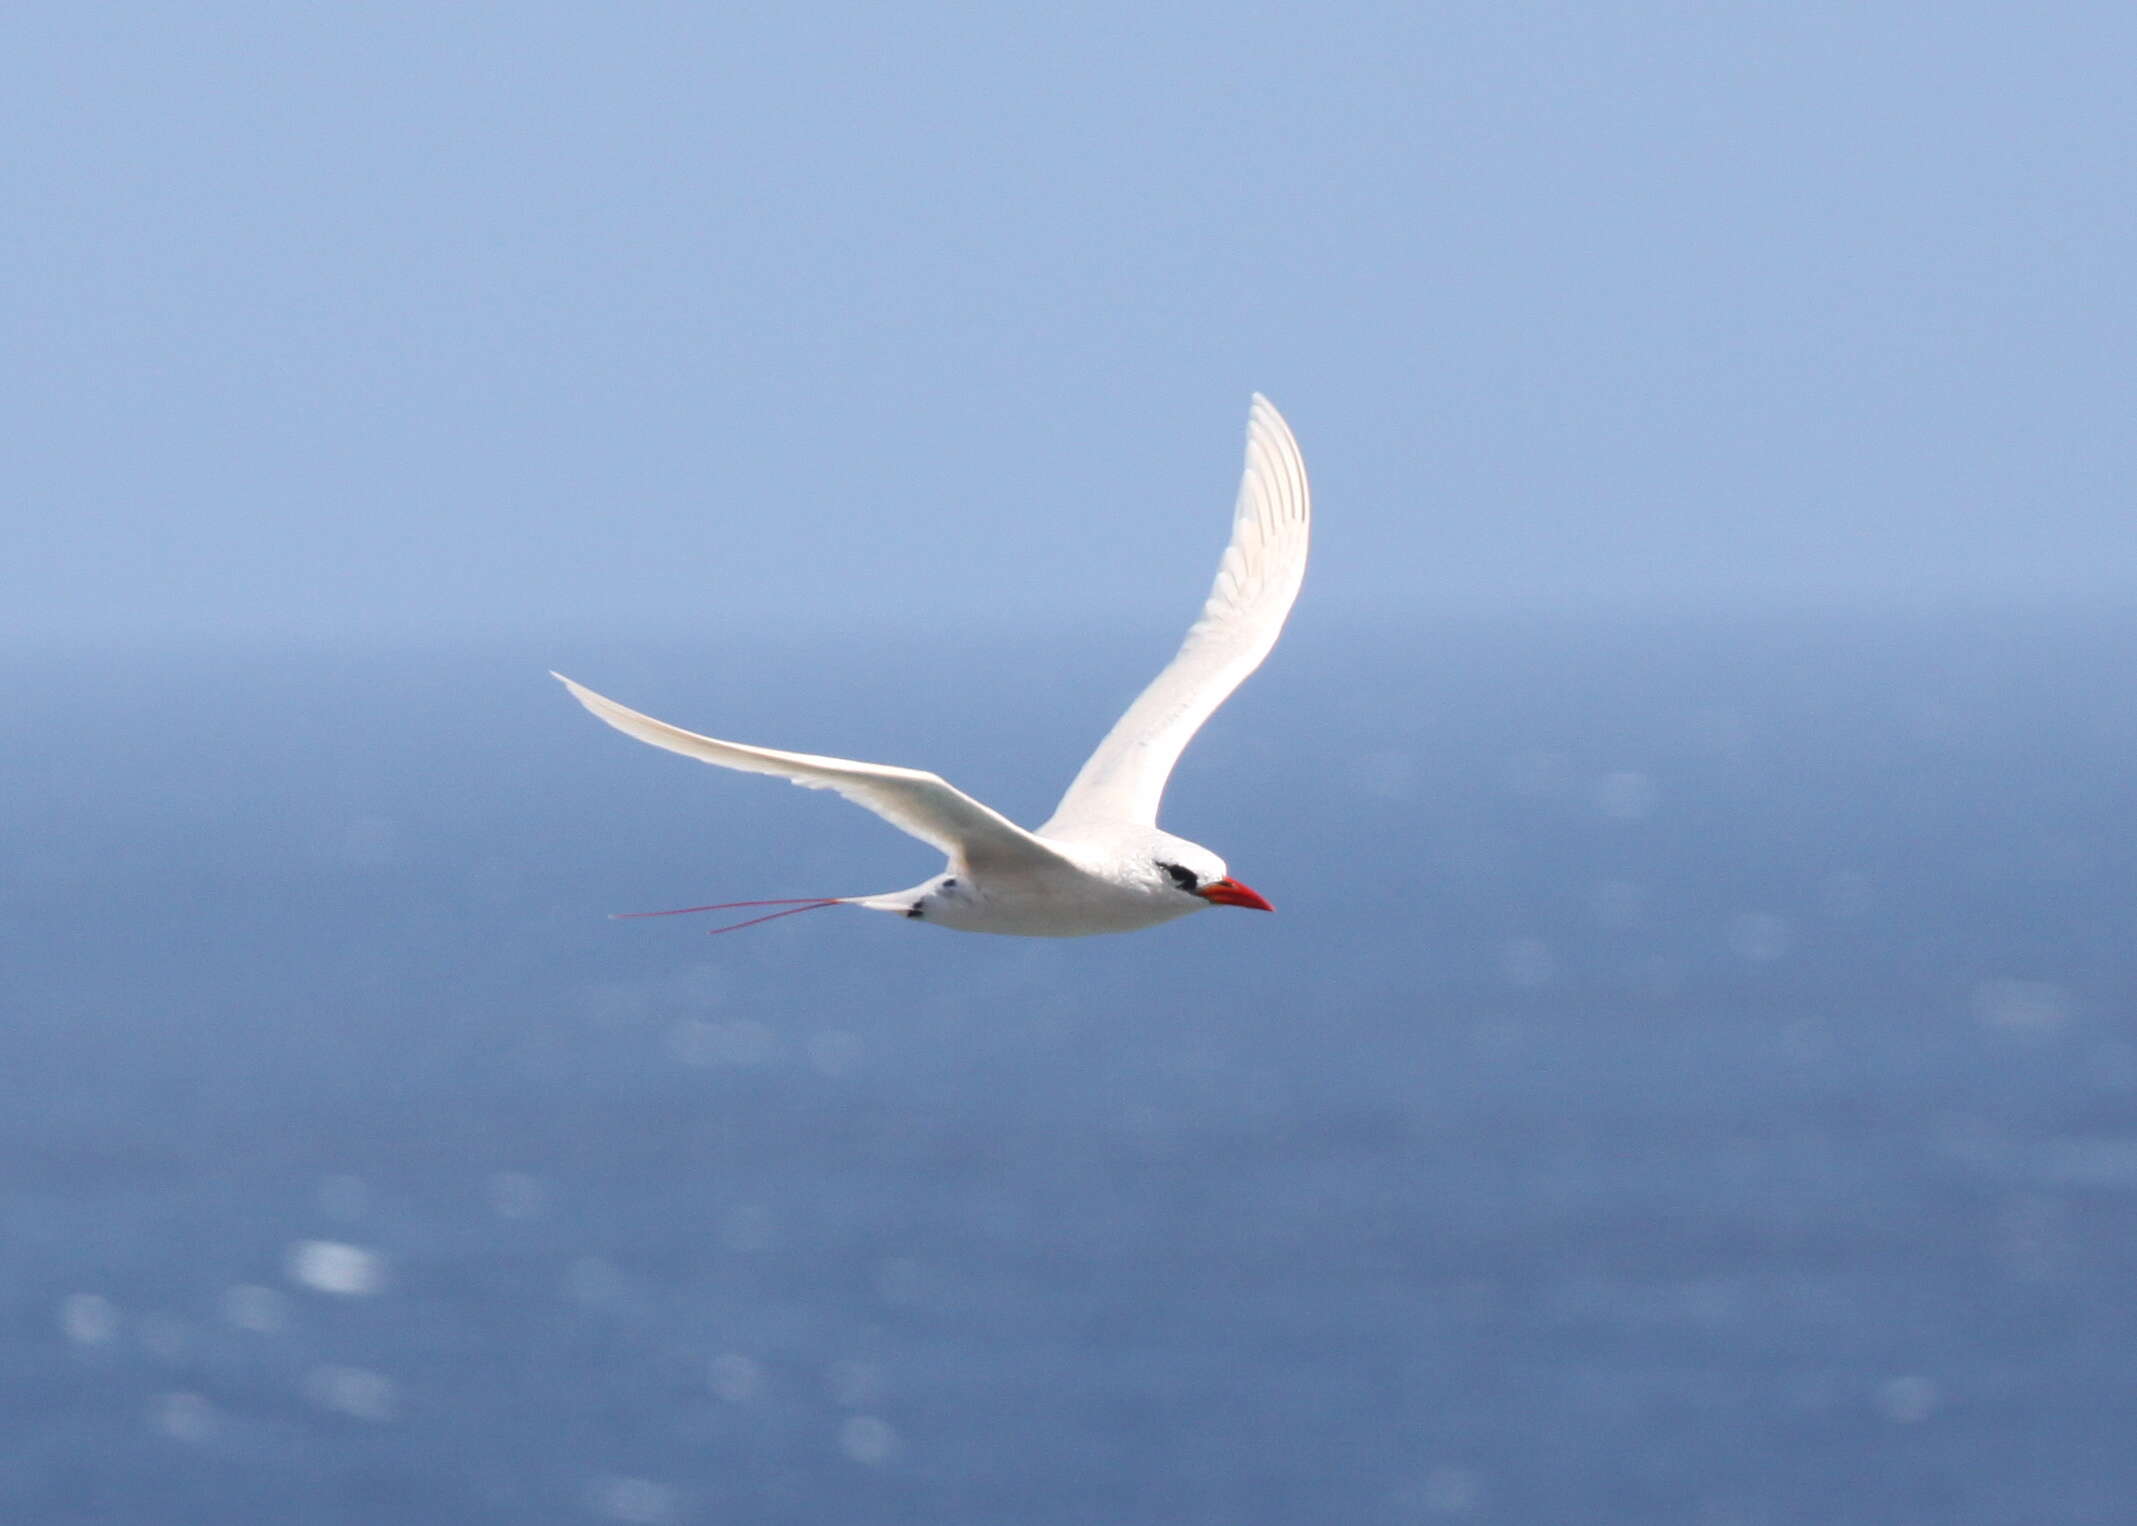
{"points": [[923, 804], [1257, 582]]}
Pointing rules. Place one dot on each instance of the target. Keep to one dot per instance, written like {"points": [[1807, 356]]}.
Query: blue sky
{"points": [[338, 323]]}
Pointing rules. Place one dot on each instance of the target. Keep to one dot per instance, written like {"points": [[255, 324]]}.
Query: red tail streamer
{"points": [[794, 907]]}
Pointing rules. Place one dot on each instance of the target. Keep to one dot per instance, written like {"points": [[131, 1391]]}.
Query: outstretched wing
{"points": [[969, 833], [1256, 584]]}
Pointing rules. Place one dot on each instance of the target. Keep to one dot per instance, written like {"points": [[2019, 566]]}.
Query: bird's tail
{"points": [[794, 907]]}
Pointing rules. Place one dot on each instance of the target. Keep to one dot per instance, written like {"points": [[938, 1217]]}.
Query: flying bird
{"points": [[1099, 864]]}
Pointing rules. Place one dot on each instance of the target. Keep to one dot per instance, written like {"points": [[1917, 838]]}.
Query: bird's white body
{"points": [[1098, 886], [1099, 864]]}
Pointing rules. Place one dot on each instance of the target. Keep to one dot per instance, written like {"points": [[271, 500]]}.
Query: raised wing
{"points": [[913, 801], [1256, 584]]}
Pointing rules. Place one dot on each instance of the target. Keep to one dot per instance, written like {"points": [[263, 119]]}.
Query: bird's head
{"points": [[1183, 868]]}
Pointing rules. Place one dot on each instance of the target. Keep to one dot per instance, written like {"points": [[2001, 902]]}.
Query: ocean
{"points": [[1690, 1077]]}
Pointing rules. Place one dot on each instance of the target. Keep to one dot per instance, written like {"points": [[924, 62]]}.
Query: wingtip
{"points": [[1266, 427], [1265, 418], [581, 693]]}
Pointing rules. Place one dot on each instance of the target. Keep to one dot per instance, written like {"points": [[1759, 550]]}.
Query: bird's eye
{"points": [[1184, 878]]}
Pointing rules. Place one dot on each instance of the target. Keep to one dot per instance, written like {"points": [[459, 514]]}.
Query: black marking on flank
{"points": [[917, 910], [1184, 878]]}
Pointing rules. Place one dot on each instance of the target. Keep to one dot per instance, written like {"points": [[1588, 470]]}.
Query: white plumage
{"points": [[1099, 864]]}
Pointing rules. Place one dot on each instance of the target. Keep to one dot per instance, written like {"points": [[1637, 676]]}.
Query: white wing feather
{"points": [[920, 803], [1256, 584]]}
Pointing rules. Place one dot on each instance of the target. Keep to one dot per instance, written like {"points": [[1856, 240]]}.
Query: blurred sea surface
{"points": [[1690, 1078]]}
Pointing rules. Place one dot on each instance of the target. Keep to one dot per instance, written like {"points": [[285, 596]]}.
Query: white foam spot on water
{"points": [[867, 1439], [252, 1307], [736, 1378], [88, 1319], [639, 1501], [182, 1416], [333, 1266], [1908, 1400], [354, 1391]]}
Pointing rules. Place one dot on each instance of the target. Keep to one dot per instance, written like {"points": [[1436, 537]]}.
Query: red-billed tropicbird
{"points": [[1099, 864]]}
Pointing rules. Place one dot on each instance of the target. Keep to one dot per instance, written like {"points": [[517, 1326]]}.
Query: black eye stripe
{"points": [[1184, 878]]}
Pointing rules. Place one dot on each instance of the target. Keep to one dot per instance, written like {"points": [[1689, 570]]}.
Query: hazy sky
{"points": [[335, 321]]}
